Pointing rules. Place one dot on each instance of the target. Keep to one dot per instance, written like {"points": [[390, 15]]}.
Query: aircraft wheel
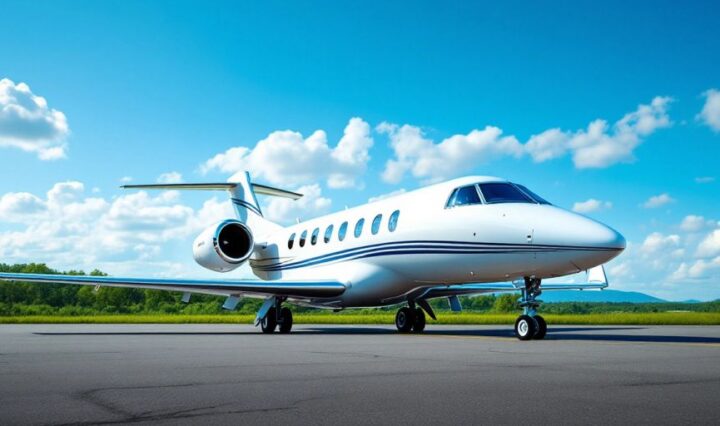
{"points": [[404, 320], [286, 320], [541, 330], [525, 327], [269, 323], [419, 324]]}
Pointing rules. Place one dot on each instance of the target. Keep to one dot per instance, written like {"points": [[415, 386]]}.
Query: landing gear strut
{"points": [[530, 325], [409, 319], [277, 316]]}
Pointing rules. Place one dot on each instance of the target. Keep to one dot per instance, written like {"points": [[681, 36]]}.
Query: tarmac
{"points": [[319, 374]]}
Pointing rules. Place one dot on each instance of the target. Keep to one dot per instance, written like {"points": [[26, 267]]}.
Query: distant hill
{"points": [[615, 296]]}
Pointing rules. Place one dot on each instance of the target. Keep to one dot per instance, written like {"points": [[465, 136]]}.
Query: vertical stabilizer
{"points": [[246, 204]]}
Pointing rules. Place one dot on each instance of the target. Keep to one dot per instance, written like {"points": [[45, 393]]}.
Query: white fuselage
{"points": [[433, 244]]}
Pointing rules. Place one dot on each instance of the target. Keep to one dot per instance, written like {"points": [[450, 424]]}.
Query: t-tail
{"points": [[243, 194]]}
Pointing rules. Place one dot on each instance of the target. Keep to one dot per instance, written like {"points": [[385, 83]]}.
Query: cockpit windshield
{"points": [[493, 193], [502, 192], [534, 196]]}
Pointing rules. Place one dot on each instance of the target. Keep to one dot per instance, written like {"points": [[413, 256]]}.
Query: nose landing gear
{"points": [[530, 325]]}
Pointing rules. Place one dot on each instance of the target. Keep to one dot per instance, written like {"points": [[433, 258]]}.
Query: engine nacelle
{"points": [[224, 246]]}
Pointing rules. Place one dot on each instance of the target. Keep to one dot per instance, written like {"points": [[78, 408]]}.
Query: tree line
{"points": [[19, 298]]}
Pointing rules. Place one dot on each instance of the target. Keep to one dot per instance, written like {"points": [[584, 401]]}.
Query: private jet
{"points": [[466, 236]]}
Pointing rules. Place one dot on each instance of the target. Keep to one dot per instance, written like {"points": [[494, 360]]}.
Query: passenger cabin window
{"points": [[376, 224], [359, 227], [328, 234], [534, 196], [464, 196], [313, 239], [342, 231], [291, 241], [502, 192], [303, 237], [392, 223]]}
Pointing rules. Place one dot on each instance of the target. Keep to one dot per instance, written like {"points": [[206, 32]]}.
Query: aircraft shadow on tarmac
{"points": [[571, 333]]}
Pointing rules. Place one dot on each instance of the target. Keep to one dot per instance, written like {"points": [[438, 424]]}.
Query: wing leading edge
{"points": [[300, 289]]}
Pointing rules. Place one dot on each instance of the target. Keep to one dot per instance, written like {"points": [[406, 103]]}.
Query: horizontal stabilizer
{"points": [[220, 186]]}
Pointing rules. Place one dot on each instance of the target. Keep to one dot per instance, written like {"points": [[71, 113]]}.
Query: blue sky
{"points": [[147, 88]]}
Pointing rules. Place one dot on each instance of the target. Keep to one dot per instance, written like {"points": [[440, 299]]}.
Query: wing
{"points": [[301, 289]]}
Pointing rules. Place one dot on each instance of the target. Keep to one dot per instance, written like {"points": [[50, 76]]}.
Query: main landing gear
{"points": [[410, 318], [530, 325], [277, 317]]}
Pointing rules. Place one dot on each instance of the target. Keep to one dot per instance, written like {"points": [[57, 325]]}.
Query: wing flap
{"points": [[216, 287]]}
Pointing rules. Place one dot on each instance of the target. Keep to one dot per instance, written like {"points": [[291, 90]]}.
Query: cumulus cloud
{"points": [[601, 145], [431, 162], [598, 145], [710, 114], [710, 245], [694, 223], [170, 177], [27, 123], [286, 158], [67, 228], [591, 205], [658, 201], [285, 211], [656, 242]]}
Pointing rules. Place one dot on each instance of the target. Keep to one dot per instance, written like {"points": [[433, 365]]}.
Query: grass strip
{"points": [[622, 318]]}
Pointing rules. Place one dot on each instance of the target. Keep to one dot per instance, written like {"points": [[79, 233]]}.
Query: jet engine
{"points": [[223, 246]]}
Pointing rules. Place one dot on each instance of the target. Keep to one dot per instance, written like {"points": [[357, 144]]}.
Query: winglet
{"points": [[597, 275]]}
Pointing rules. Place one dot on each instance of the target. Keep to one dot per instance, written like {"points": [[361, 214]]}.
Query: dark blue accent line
{"points": [[420, 244], [386, 252], [247, 205]]}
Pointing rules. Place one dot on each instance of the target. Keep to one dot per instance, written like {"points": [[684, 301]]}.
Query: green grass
{"points": [[623, 318]]}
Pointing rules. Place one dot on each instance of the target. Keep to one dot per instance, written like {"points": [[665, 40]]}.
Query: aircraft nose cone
{"points": [[599, 235], [608, 238]]}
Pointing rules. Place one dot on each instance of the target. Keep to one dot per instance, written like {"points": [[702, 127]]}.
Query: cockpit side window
{"points": [[464, 196], [503, 192], [534, 196]]}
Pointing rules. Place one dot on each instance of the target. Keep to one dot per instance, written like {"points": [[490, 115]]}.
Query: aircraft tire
{"points": [[541, 330], [269, 323], [525, 327], [419, 324], [404, 320], [286, 320]]}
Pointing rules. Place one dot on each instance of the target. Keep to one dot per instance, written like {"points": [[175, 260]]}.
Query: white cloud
{"points": [[27, 123], [591, 205], [126, 179], [69, 229], [658, 201], [599, 145], [286, 158], [710, 245], [432, 162], [170, 177], [710, 114], [704, 179], [656, 242], [696, 270], [388, 195], [694, 223], [285, 211]]}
